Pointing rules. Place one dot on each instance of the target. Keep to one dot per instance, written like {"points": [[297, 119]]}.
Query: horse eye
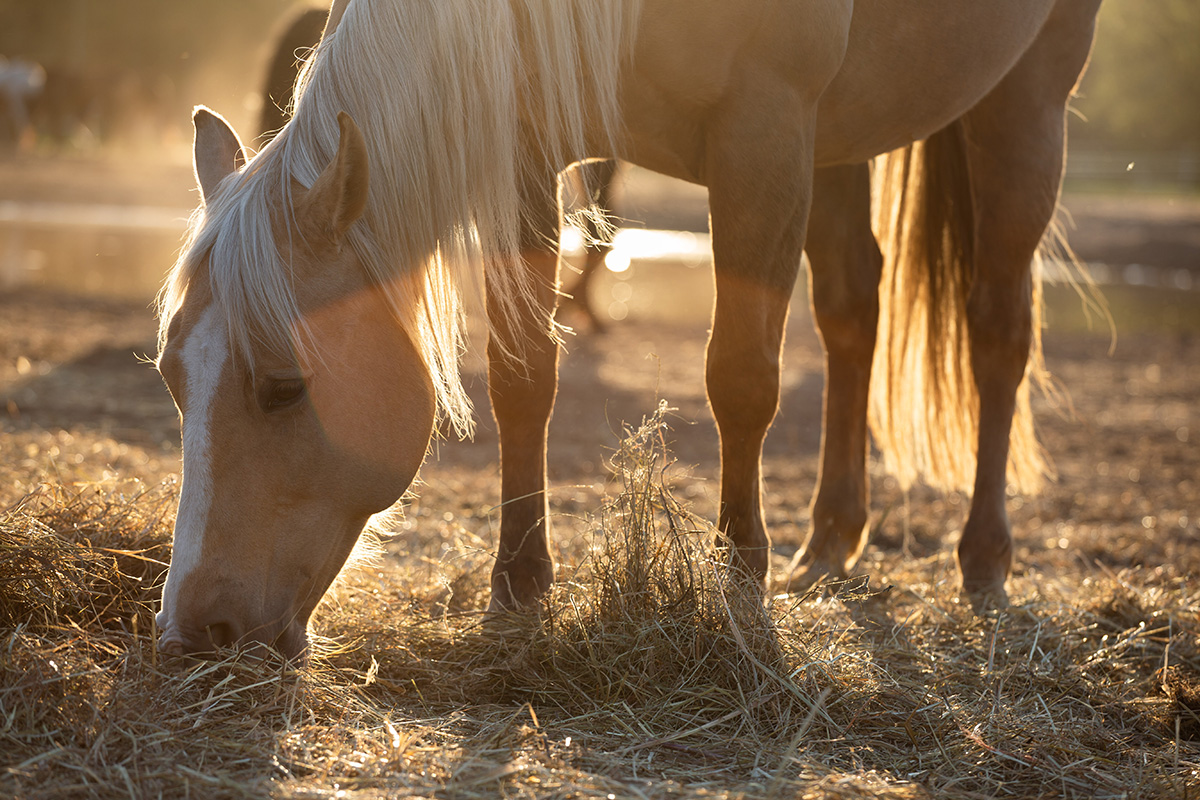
{"points": [[282, 394]]}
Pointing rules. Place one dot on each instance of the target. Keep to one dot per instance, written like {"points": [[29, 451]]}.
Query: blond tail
{"points": [[924, 409]]}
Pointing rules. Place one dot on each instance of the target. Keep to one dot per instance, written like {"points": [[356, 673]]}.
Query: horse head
{"points": [[292, 439]]}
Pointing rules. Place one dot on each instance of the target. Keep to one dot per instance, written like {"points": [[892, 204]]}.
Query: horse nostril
{"points": [[170, 646], [221, 634], [207, 639]]}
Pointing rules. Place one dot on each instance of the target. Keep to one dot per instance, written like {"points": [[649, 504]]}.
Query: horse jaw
{"points": [[273, 502]]}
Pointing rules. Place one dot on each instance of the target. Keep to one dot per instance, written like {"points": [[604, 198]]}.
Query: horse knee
{"points": [[1000, 322], [524, 393], [849, 329], [523, 364], [743, 388]]}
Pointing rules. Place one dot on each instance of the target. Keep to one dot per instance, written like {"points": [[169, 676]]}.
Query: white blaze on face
{"points": [[204, 354]]}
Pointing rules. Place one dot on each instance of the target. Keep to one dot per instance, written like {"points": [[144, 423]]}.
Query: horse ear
{"points": [[217, 151], [339, 195]]}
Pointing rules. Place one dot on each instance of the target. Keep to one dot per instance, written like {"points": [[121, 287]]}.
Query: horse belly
{"points": [[912, 68]]}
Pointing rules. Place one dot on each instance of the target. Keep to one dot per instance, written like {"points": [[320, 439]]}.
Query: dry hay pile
{"points": [[649, 673]]}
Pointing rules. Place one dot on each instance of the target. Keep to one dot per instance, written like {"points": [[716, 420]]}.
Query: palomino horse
{"points": [[311, 330]]}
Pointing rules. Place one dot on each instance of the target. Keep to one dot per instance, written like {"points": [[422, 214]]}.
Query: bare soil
{"points": [[79, 400], [75, 385], [79, 406]]}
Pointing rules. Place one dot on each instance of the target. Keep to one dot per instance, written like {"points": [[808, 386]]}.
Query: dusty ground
{"points": [[79, 403], [79, 406], [75, 391]]}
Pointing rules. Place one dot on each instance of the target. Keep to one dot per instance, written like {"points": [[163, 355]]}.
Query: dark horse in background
{"points": [[294, 45]]}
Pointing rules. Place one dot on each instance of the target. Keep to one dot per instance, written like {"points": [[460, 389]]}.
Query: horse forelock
{"points": [[438, 90], [232, 245]]}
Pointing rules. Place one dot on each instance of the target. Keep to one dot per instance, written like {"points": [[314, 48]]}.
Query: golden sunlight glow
{"points": [[640, 244]]}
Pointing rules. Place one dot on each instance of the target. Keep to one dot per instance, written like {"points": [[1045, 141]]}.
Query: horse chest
{"points": [[699, 61]]}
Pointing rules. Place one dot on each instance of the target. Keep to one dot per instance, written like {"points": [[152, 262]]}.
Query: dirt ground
{"points": [[79, 402], [81, 408]]}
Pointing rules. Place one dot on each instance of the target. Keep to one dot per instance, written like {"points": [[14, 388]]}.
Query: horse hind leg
{"points": [[1015, 139], [845, 264], [596, 178]]}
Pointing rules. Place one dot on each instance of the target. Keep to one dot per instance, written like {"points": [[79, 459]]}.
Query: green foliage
{"points": [[1142, 89]]}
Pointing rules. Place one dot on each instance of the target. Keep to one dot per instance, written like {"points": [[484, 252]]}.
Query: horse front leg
{"points": [[759, 198], [845, 264], [522, 383]]}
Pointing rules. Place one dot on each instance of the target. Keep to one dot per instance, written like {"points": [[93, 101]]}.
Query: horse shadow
{"points": [[110, 391]]}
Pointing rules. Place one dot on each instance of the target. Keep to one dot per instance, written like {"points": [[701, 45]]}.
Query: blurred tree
{"points": [[1142, 89], [181, 52], [137, 33]]}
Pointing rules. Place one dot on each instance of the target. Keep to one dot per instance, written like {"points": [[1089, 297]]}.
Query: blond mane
{"points": [[438, 89]]}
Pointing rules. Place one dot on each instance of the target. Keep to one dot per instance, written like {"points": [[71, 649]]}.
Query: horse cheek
{"points": [[378, 422]]}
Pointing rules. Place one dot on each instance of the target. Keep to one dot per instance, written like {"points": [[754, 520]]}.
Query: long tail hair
{"points": [[924, 405]]}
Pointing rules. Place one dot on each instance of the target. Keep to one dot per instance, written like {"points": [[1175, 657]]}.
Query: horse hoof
{"points": [[494, 609], [498, 605], [801, 578], [520, 594], [504, 608], [502, 602]]}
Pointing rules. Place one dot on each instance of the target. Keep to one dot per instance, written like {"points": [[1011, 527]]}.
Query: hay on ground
{"points": [[650, 672]]}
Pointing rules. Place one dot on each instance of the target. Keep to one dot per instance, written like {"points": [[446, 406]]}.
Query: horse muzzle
{"points": [[210, 637]]}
